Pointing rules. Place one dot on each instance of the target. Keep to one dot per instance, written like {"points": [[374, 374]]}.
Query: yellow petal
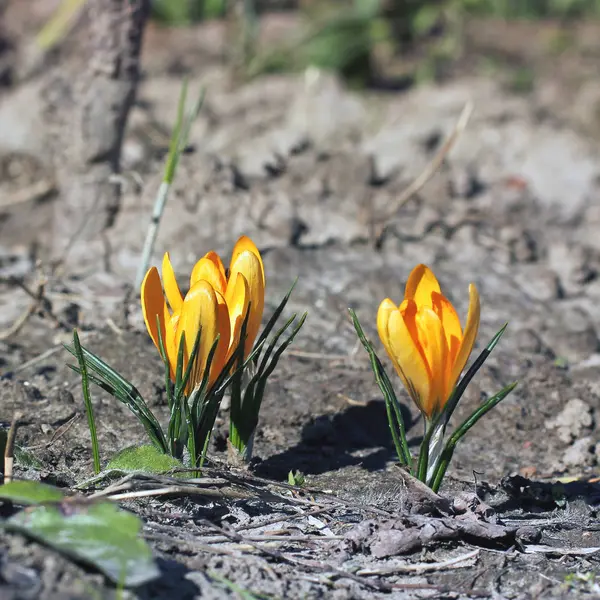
{"points": [[420, 285], [199, 312], [208, 269], [245, 244], [250, 266], [237, 298], [433, 342], [216, 259], [153, 305], [452, 330], [383, 316], [170, 282], [469, 334], [409, 359], [224, 327]]}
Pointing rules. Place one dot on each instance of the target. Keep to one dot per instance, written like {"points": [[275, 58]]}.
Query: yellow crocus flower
{"points": [[425, 341], [217, 302]]}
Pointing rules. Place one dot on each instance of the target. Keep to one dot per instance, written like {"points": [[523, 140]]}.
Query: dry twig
{"points": [[379, 221]]}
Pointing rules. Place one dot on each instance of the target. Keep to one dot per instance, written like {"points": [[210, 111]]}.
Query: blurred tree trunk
{"points": [[89, 109]]}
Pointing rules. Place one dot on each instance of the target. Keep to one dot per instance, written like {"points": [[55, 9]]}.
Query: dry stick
{"points": [[62, 430], [383, 587], [427, 173], [158, 537], [182, 489], [310, 513], [324, 567], [421, 567], [243, 480], [38, 297], [9, 451]]}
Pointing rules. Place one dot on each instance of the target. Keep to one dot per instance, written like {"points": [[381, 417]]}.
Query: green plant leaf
{"points": [[98, 534], [446, 456], [144, 459], [87, 400], [452, 403], [104, 376], [394, 412], [30, 492]]}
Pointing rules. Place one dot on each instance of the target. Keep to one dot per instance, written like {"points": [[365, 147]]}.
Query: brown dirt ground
{"points": [[303, 168]]}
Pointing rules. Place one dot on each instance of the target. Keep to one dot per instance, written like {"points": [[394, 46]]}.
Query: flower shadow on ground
{"points": [[359, 435]]}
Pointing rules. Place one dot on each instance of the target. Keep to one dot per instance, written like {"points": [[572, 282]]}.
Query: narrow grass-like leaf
{"points": [[394, 412], [270, 347], [270, 367], [274, 318], [175, 148], [87, 400], [179, 140], [456, 395], [165, 358], [180, 390], [123, 391], [446, 455], [244, 424]]}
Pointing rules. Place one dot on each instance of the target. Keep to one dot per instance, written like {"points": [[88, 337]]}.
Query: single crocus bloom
{"points": [[425, 341]]}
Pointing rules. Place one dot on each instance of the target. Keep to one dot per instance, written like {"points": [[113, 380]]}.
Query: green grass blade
{"points": [[175, 147], [274, 318], [163, 354], [126, 393], [251, 408], [452, 403], [87, 400], [178, 143], [446, 456], [397, 426]]}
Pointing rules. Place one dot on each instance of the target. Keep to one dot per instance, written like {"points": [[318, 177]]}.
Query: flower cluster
{"points": [[214, 308], [209, 341]]}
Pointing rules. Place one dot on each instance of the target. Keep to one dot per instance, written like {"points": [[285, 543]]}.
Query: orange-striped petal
{"points": [[409, 358], [172, 290], [409, 310], [250, 266], [238, 299], [199, 313], [420, 285], [433, 342], [452, 330], [469, 334], [216, 259], [208, 270], [153, 305], [245, 244]]}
